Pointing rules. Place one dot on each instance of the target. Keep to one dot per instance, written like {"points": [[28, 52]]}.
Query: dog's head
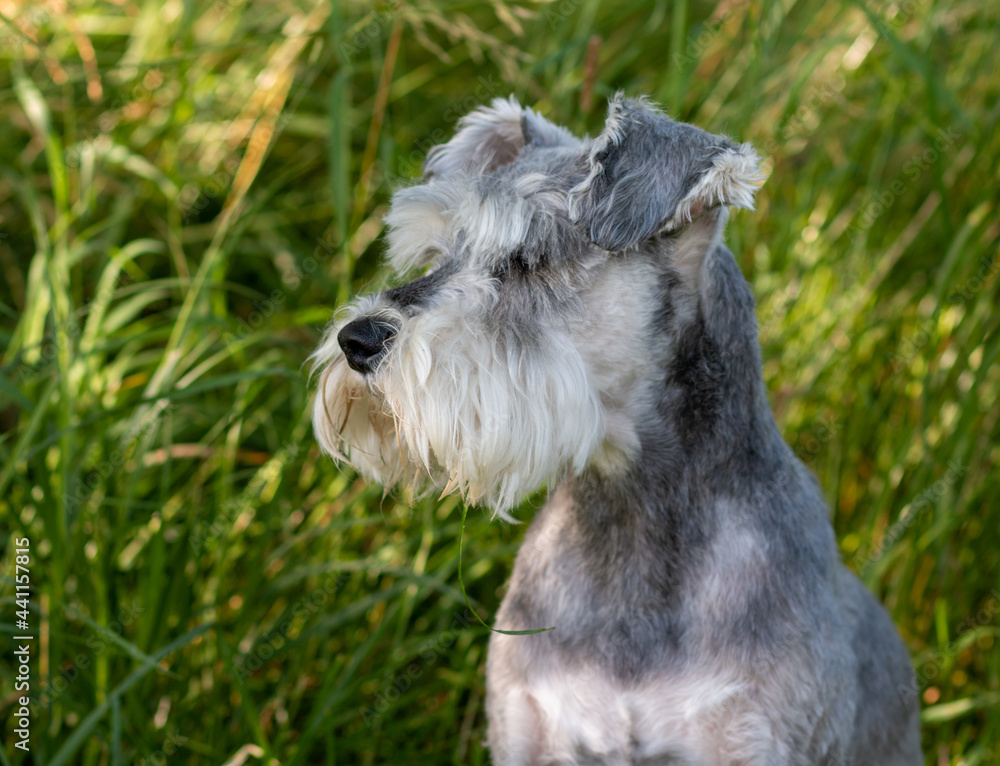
{"points": [[528, 347]]}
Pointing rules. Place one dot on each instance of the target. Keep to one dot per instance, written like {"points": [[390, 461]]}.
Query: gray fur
{"points": [[702, 613]]}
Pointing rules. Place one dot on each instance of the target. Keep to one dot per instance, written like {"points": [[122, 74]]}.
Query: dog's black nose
{"points": [[364, 341]]}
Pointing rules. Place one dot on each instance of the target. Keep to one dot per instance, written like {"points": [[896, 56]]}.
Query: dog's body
{"points": [[584, 325]]}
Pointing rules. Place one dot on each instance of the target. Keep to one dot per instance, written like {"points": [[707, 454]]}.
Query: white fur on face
{"points": [[459, 401], [616, 348], [423, 220], [351, 424]]}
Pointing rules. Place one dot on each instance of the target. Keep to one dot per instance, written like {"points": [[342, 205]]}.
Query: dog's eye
{"points": [[667, 234], [518, 265]]}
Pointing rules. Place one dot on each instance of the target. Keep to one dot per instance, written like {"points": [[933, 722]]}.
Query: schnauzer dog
{"points": [[579, 323]]}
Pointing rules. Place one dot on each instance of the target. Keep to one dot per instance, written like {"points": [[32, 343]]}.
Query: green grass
{"points": [[188, 190]]}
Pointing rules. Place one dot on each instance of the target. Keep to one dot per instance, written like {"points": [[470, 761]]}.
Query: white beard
{"points": [[459, 403]]}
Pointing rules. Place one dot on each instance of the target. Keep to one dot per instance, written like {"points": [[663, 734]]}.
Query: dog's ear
{"points": [[491, 137], [649, 174]]}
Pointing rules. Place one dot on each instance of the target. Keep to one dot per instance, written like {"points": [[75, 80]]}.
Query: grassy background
{"points": [[189, 189]]}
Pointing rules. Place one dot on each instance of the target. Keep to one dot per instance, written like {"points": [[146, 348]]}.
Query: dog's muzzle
{"points": [[364, 341]]}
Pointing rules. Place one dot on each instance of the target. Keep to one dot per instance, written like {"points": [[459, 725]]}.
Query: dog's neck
{"points": [[713, 436]]}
